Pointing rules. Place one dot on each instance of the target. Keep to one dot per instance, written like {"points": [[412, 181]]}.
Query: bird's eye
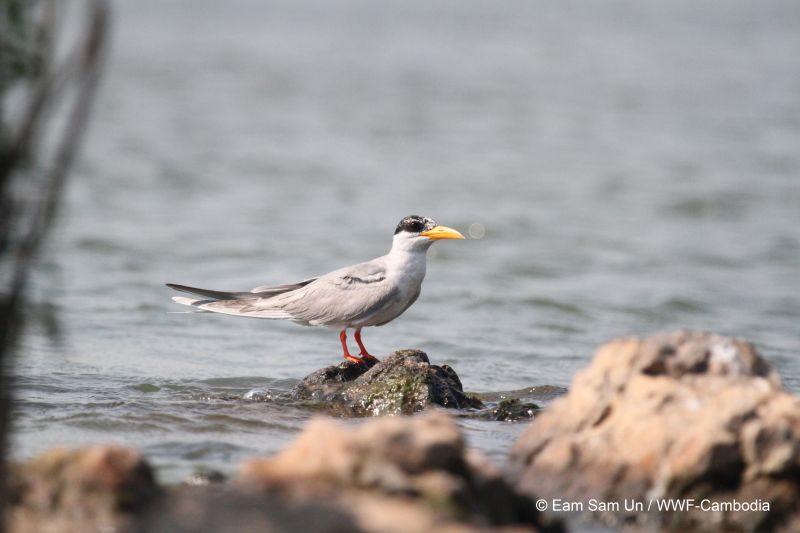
{"points": [[411, 224]]}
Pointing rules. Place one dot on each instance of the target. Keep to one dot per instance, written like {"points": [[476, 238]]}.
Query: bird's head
{"points": [[416, 232]]}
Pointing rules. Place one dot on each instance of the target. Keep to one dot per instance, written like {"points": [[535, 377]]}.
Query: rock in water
{"points": [[403, 383], [686, 415]]}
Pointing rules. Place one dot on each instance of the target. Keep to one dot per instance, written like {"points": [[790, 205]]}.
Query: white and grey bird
{"points": [[367, 294]]}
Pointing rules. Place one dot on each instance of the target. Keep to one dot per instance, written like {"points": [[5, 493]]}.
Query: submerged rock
{"points": [[687, 415], [510, 410], [204, 477], [403, 383]]}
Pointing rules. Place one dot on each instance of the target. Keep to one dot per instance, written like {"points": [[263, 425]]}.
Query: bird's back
{"points": [[341, 298]]}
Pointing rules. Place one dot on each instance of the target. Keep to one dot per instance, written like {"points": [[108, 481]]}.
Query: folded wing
{"points": [[344, 296]]}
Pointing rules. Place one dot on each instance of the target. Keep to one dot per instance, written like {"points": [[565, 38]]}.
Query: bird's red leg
{"points": [[364, 353], [347, 355]]}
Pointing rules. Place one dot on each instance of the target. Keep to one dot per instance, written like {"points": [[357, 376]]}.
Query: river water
{"points": [[623, 167]]}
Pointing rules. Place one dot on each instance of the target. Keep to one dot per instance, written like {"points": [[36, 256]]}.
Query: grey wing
{"points": [[401, 310], [264, 291], [346, 295], [267, 290], [258, 303], [216, 295]]}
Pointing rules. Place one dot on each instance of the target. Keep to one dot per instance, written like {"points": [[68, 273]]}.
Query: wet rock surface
{"points": [[509, 410], [675, 416], [403, 383]]}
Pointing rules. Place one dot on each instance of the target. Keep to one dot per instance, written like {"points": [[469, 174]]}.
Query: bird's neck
{"points": [[408, 256], [404, 244]]}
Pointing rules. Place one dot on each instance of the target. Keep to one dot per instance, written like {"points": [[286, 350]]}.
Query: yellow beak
{"points": [[442, 232]]}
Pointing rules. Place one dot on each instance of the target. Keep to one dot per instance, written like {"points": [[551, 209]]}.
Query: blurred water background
{"points": [[630, 166]]}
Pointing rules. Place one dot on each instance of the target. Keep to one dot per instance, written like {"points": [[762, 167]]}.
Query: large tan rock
{"points": [[92, 489], [396, 474], [387, 475], [675, 416]]}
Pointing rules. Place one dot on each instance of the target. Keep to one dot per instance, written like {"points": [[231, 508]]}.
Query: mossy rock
{"points": [[403, 383]]}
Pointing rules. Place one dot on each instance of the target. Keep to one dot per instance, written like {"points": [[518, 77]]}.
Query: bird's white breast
{"points": [[405, 272]]}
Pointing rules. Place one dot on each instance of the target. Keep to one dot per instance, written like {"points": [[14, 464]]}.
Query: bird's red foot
{"points": [[350, 357], [353, 358], [365, 355]]}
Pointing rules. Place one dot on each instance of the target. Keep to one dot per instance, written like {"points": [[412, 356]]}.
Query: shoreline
{"points": [[686, 429]]}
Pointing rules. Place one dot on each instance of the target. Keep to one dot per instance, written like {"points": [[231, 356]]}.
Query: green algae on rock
{"points": [[405, 382]]}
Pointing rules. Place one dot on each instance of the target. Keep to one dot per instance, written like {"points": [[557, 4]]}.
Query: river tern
{"points": [[358, 296]]}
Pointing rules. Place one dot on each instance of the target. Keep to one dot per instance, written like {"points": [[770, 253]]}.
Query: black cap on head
{"points": [[415, 224]]}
